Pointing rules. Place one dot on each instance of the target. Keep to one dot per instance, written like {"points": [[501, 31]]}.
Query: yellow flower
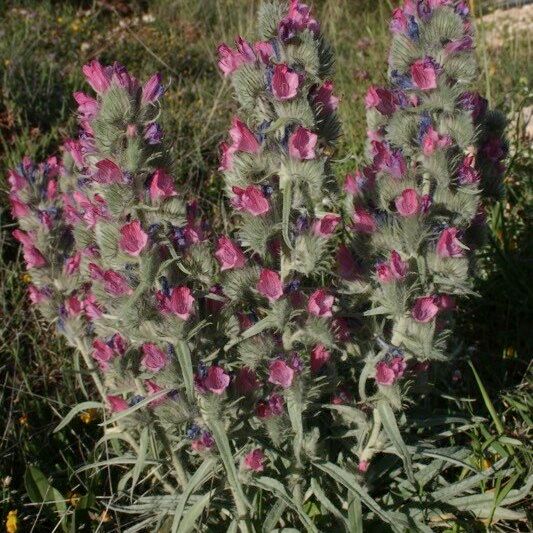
{"points": [[104, 517], [12, 522], [74, 498], [23, 420], [485, 464], [25, 277], [88, 416], [7, 62]]}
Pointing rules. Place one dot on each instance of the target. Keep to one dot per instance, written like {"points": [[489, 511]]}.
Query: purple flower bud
{"points": [[153, 133]]}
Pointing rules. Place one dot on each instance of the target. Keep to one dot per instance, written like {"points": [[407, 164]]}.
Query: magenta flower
{"points": [[154, 359], [320, 303], [285, 82], [302, 144], [424, 74], [37, 295], [153, 388], [16, 181], [92, 308], [280, 373], [216, 381], [432, 140], [449, 245], [98, 76], [243, 139], [133, 239], [102, 353], [363, 221], [73, 306], [272, 407], [320, 355], [74, 149], [389, 372], [161, 186], [398, 266], [18, 209], [115, 284], [323, 97], [204, 443], [152, 89], [88, 107], [225, 156], [347, 267], [32, 256], [107, 172], [297, 19], [230, 60], [464, 44], [116, 403], [246, 381], [264, 51], [180, 302], [425, 309], [228, 254], [325, 226], [445, 302], [254, 460], [269, 285], [408, 203], [381, 99], [467, 174], [251, 200], [398, 23]]}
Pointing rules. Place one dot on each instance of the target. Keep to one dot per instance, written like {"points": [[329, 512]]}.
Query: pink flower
{"points": [[445, 302], [181, 302], [102, 353], [319, 357], [32, 256], [424, 309], [225, 156], [216, 381], [115, 284], [37, 295], [449, 245], [285, 82], [264, 50], [153, 388], [467, 173], [133, 239], [73, 306], [398, 23], [243, 139], [254, 460], [87, 106], [228, 254], [363, 221], [320, 303], [16, 181], [116, 403], [72, 264], [381, 99], [280, 373], [97, 76], [252, 200], [269, 285], [246, 381], [325, 226], [108, 172], [302, 144], [154, 359], [397, 265], [74, 149], [161, 186], [18, 209], [433, 140], [323, 97], [424, 74], [297, 19], [272, 407], [389, 372], [230, 60], [204, 443], [363, 466], [152, 89], [92, 308], [464, 44], [346, 265], [407, 203]]}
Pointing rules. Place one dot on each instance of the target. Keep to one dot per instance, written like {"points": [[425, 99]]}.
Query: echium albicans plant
{"points": [[435, 153]]}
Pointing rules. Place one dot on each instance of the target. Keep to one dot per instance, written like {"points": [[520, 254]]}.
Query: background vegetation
{"points": [[43, 45]]}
